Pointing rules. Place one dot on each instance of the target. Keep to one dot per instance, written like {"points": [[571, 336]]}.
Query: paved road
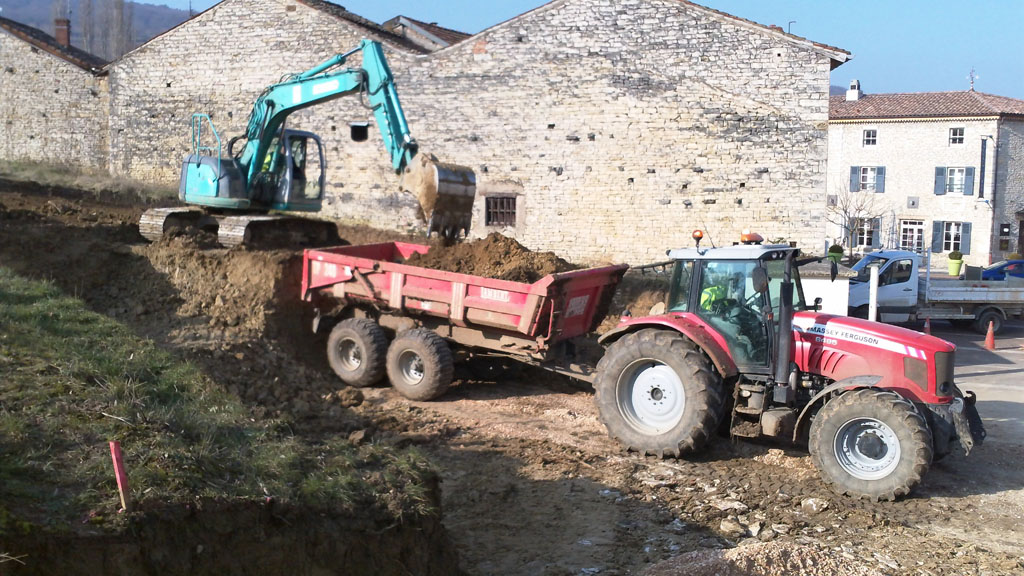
{"points": [[996, 376]]}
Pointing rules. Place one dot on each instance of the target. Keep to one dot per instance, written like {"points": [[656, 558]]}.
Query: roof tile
{"points": [[923, 105], [44, 41]]}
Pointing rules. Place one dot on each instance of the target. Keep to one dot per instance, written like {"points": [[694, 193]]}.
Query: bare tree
{"points": [[87, 25], [847, 208]]}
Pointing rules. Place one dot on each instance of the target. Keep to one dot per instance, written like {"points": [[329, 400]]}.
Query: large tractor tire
{"points": [[356, 350], [420, 365], [871, 443], [658, 394]]}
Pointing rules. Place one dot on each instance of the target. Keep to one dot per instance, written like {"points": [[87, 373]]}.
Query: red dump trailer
{"points": [[371, 291]]}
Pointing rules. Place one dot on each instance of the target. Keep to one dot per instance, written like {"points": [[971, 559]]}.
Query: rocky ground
{"points": [[531, 482]]}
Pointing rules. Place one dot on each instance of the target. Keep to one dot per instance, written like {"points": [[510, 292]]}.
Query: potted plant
{"points": [[956, 262], [835, 253]]}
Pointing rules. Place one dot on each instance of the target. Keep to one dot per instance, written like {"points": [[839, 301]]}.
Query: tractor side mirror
{"points": [[817, 303], [759, 278], [833, 270]]}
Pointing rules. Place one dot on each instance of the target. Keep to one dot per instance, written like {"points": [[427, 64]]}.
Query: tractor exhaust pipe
{"points": [[785, 332]]}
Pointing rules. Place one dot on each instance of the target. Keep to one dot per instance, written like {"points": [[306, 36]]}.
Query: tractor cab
{"points": [[737, 291]]}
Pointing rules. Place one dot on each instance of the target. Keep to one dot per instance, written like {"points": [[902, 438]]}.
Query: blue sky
{"points": [[898, 45]]}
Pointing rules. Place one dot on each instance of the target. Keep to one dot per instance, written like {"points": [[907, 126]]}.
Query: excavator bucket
{"points": [[445, 193]]}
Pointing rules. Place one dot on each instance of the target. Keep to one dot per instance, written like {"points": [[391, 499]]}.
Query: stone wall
{"points": [[50, 110], [1010, 182]]}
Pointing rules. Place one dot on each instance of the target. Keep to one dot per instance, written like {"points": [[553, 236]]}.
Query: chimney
{"points": [[854, 93], [62, 31]]}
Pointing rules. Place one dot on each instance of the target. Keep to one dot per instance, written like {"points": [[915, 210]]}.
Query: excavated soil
{"points": [[495, 256], [531, 483]]}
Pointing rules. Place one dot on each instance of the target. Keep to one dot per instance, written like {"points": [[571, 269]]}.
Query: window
{"points": [[951, 236], [864, 231], [954, 180], [897, 273], [912, 235], [870, 178], [729, 303], [500, 211], [956, 135], [679, 299], [870, 137]]}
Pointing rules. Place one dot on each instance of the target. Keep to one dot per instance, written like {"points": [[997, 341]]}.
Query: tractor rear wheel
{"points": [[872, 444], [356, 350], [420, 364], [658, 394]]}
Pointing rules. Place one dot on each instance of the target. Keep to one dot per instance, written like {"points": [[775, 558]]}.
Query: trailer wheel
{"points": [[420, 364], [872, 444], [356, 350], [658, 394], [981, 324]]}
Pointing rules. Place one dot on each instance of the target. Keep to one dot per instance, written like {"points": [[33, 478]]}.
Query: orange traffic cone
{"points": [[990, 337], [928, 326]]}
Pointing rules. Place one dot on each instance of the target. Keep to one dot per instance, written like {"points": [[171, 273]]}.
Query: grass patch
{"points": [[71, 380], [84, 179]]}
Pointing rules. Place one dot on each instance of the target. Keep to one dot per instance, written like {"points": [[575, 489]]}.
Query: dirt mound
{"points": [[762, 560], [495, 256], [637, 293]]}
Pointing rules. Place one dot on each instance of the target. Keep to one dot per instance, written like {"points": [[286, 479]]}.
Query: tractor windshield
{"points": [[776, 270], [729, 303]]}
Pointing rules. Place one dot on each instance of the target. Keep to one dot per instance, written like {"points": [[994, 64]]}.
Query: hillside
{"points": [[148, 20]]}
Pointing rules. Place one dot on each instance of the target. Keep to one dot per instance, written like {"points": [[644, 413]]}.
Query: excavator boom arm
{"points": [[324, 83]]}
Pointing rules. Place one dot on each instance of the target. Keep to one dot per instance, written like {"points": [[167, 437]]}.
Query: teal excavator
{"points": [[284, 170]]}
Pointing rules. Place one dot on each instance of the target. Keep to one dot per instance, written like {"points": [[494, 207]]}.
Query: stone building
{"points": [[935, 172], [605, 130], [53, 98]]}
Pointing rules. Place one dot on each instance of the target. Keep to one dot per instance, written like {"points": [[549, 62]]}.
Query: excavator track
{"points": [[157, 222], [259, 230]]}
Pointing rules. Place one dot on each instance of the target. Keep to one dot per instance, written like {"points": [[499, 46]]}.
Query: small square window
{"points": [[870, 137], [500, 211], [956, 135]]}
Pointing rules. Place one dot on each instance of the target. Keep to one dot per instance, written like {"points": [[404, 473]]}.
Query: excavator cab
{"points": [[298, 172]]}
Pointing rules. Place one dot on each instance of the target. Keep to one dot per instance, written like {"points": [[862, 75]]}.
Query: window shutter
{"points": [[937, 236], [876, 229], [854, 178], [879, 179], [968, 183], [940, 180], [965, 238]]}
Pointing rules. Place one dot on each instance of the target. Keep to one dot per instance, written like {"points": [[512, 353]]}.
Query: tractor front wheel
{"points": [[872, 444], [658, 394]]}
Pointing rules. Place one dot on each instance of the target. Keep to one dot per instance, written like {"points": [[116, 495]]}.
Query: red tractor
{"points": [[876, 404]]}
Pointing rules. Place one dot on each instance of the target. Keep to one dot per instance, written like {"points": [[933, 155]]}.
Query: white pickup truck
{"points": [[905, 294]]}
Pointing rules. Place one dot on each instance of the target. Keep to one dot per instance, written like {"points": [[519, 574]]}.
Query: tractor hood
{"points": [[866, 333]]}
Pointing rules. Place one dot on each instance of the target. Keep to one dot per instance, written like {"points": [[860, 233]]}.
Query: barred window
{"points": [[500, 211]]}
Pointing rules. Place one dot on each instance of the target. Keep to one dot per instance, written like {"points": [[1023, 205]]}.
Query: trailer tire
{"points": [[420, 364], [981, 324], [871, 443], [356, 350], [657, 393]]}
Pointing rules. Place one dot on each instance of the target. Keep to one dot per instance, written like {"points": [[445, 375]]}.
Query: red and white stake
{"points": [[119, 473]]}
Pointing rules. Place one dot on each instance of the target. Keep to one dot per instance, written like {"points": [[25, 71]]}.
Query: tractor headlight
{"points": [[944, 373]]}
